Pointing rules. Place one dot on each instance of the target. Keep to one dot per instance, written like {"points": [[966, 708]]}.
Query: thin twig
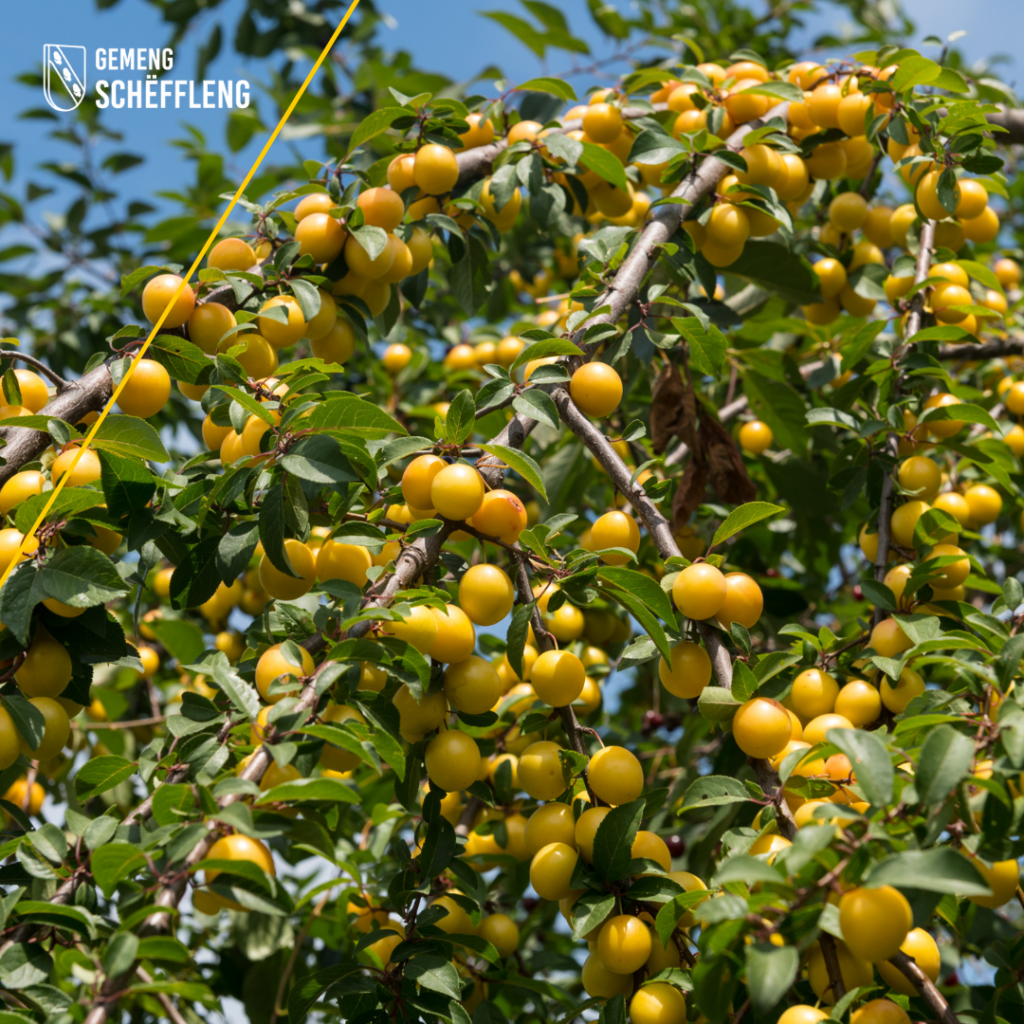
{"points": [[136, 723]]}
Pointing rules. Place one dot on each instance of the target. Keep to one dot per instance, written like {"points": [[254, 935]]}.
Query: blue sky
{"points": [[457, 43]]}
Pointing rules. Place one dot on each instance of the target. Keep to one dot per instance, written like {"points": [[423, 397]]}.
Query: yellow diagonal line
{"points": [[30, 536]]}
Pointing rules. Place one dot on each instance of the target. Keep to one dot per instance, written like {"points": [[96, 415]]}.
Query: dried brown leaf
{"points": [[690, 492], [727, 474], [672, 410]]}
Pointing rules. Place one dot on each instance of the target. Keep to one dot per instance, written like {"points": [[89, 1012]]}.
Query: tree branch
{"points": [[39, 367], [660, 531], [925, 986], [989, 350], [835, 975], [545, 642], [87, 394], [1013, 121], [892, 441]]}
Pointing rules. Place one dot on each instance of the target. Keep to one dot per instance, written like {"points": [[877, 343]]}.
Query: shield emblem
{"points": [[64, 75]]}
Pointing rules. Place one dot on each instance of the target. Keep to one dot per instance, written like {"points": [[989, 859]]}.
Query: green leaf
{"points": [[57, 916], [196, 579], [941, 869], [744, 682], [169, 799], [354, 415], [771, 972], [981, 273], [435, 974], [163, 947], [554, 86], [778, 90], [234, 551], [130, 437], [1008, 661], [113, 863], [518, 631], [50, 842], [131, 281], [707, 345], [644, 616], [23, 964], [743, 516], [127, 484], [521, 29], [964, 412], [538, 405], [714, 790], [654, 147], [717, 704], [183, 639], [69, 501], [245, 402], [307, 295], [914, 71], [329, 790], [871, 762], [546, 347], [781, 407], [746, 869], [672, 912], [920, 628], [373, 125], [28, 719], [519, 462], [781, 271], [11, 389], [604, 164], [372, 240], [461, 418], [101, 774], [17, 603], [182, 360], [307, 991], [589, 911], [319, 460], [613, 842], [471, 277], [120, 953], [80, 576], [242, 694], [945, 760], [642, 587]]}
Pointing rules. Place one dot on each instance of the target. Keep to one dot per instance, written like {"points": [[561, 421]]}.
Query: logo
{"points": [[64, 75]]}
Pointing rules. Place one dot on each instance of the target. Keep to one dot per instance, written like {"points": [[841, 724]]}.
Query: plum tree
{"points": [[583, 516]]}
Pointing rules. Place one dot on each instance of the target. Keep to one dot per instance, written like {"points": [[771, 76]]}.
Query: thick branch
{"points": [[88, 394], [926, 987]]}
